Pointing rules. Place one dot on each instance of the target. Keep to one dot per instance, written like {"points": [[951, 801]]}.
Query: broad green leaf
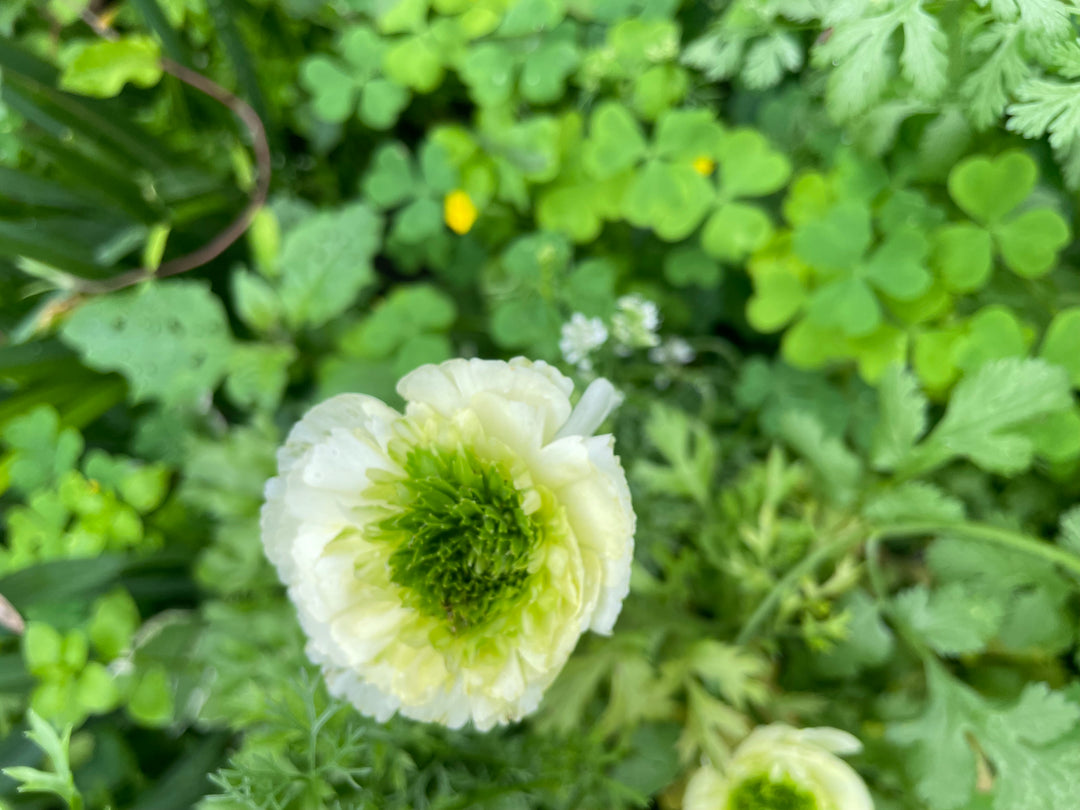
{"points": [[401, 16], [688, 134], [390, 180], [41, 450], [1030, 243], [362, 49], [988, 189], [897, 267], [333, 89], [836, 241], [993, 333], [735, 230], [258, 374], [690, 266], [326, 263], [671, 199], [847, 304], [113, 624], [749, 166], [151, 701], [488, 70], [1061, 345], [256, 302], [102, 68], [545, 71], [963, 255], [414, 62], [381, 102], [170, 339], [571, 210], [658, 89], [420, 220], [615, 141]]}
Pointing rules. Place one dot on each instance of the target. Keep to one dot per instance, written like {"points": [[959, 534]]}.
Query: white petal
{"points": [[599, 400], [450, 387]]}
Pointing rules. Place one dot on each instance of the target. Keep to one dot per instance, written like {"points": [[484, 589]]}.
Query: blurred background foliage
{"points": [[855, 220]]}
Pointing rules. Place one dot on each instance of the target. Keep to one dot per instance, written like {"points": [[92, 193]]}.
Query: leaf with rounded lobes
{"points": [[836, 241], [488, 70], [615, 141], [749, 166], [658, 89], [1061, 345], [847, 304], [988, 189], [545, 70], [690, 266], [363, 49], [688, 134], [102, 68], [381, 102], [897, 267], [671, 199], [414, 62], [993, 333], [390, 180], [333, 89], [1030, 243], [571, 210], [736, 230], [962, 254]]}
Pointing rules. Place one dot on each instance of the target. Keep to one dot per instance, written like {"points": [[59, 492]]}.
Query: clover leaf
{"points": [[992, 191], [350, 83], [747, 167]]}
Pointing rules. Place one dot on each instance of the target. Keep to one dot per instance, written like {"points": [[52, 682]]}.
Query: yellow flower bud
{"points": [[459, 211], [704, 165]]}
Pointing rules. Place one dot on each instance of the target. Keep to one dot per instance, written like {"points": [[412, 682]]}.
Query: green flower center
{"points": [[462, 540], [763, 793]]}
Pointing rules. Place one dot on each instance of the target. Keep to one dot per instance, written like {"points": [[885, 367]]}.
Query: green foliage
{"points": [[59, 781], [1030, 744], [169, 339], [823, 250], [103, 68]]}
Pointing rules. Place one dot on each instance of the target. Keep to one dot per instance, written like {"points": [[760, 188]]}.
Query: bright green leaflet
{"points": [[463, 540]]}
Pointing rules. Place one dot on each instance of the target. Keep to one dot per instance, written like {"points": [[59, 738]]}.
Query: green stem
{"points": [[1005, 538]]}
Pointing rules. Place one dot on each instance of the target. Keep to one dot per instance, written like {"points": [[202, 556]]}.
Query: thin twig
{"points": [[220, 243]]}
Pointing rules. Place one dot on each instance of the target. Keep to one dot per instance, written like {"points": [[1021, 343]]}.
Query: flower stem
{"points": [[1005, 538]]}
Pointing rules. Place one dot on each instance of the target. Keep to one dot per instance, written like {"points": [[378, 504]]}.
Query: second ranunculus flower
{"points": [[445, 560]]}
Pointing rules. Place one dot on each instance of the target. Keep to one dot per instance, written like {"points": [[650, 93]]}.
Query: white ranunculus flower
{"points": [[781, 766], [444, 561]]}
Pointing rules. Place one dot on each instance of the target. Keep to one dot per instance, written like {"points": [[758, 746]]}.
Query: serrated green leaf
{"points": [[838, 468], [985, 411], [326, 263], [170, 339], [954, 619], [902, 418]]}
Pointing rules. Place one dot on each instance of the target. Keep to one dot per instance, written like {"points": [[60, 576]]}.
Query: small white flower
{"points": [[674, 351], [580, 337], [778, 764], [444, 561], [635, 323]]}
